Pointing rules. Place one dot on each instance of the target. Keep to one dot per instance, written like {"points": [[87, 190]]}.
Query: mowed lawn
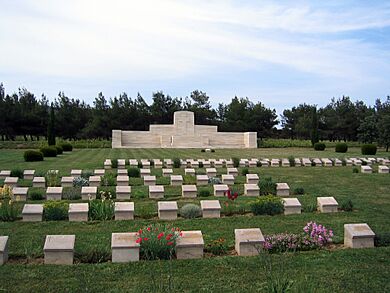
{"points": [[337, 269]]}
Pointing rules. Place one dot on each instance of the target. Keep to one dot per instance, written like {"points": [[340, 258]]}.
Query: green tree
{"points": [[314, 137], [51, 136], [367, 130], [383, 112]]}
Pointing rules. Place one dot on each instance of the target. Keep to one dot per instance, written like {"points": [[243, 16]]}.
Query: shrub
{"points": [[134, 172], [291, 159], [190, 211], [80, 182], [8, 210], [158, 241], [176, 163], [355, 170], [66, 147], [36, 194], [55, 210], [236, 162], [49, 151], [259, 164], [369, 149], [267, 205], [52, 178], [86, 174], [204, 193], [200, 164], [347, 205], [267, 186], [309, 208], [108, 179], [33, 156], [214, 180], [71, 193], [341, 148], [382, 239], [282, 242], [59, 150], [217, 247], [203, 150], [213, 150], [101, 209], [299, 191], [316, 235], [114, 163], [244, 171], [319, 146], [97, 253], [17, 173]]}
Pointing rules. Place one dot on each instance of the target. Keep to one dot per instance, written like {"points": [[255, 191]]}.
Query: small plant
{"points": [[382, 239], [267, 205], [108, 179], [229, 207], [316, 235], [158, 241], [309, 208], [101, 209], [213, 150], [52, 178], [49, 151], [86, 174], [114, 163], [244, 171], [291, 159], [176, 163], [204, 193], [190, 211], [355, 170], [55, 210], [341, 148], [200, 164], [80, 182], [203, 150], [8, 211], [259, 164], [36, 194], [66, 147], [236, 162], [71, 193], [33, 156], [319, 146], [282, 242], [267, 186], [347, 205], [17, 173], [59, 150], [299, 191], [217, 247], [344, 162], [369, 149], [214, 180], [134, 172], [96, 253]]}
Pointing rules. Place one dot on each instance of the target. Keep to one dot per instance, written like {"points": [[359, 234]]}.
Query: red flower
{"points": [[181, 234], [148, 229], [139, 240], [140, 231], [146, 239], [160, 235], [170, 243], [168, 237]]}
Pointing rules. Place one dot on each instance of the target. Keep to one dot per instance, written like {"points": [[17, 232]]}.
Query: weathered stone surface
{"points": [[94, 181], [59, 249], [252, 178], [124, 211], [121, 164], [11, 181], [285, 163], [275, 163], [291, 206], [229, 163], [107, 164], [176, 180], [168, 163], [39, 182], [228, 179], [264, 163], [124, 247], [78, 212], [122, 172], [99, 172], [67, 181], [306, 162], [122, 180], [133, 163], [383, 169], [327, 204], [326, 162], [123, 192], [76, 172], [232, 171], [3, 249], [210, 208], [145, 164], [318, 162], [251, 190], [337, 162], [366, 169], [144, 172], [189, 191], [4, 174], [20, 193], [190, 245], [202, 180], [167, 210], [220, 189], [358, 236], [297, 162], [28, 174], [282, 189], [211, 172], [158, 164], [156, 191], [189, 171], [88, 192], [248, 242], [32, 212], [54, 193], [244, 163], [167, 172]]}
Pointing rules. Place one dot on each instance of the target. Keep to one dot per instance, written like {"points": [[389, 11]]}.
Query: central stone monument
{"points": [[183, 134]]}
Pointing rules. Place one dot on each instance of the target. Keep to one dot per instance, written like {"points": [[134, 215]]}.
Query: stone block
{"points": [[210, 208], [168, 163], [124, 211], [133, 163], [206, 164], [76, 172], [39, 182], [11, 181], [297, 162], [107, 164], [124, 247], [123, 192], [232, 171], [149, 180], [318, 162], [211, 172], [358, 236], [244, 163], [248, 242], [327, 204], [32, 212], [285, 163], [67, 181], [156, 191], [20, 193], [202, 180], [122, 172], [158, 164], [282, 189], [326, 162], [176, 180], [251, 190], [218, 164], [275, 163], [306, 162], [54, 193], [144, 172], [189, 191], [383, 169], [220, 189], [59, 249], [99, 172], [229, 163], [190, 245], [189, 171], [366, 169], [357, 162], [3, 249], [88, 192], [252, 179], [145, 164], [122, 180], [264, 163], [337, 162], [291, 206], [167, 172], [4, 174], [28, 174], [228, 179], [348, 162], [167, 210], [194, 164], [94, 181], [78, 212], [252, 163], [121, 164]]}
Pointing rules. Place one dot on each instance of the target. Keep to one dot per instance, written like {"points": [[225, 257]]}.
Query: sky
{"points": [[281, 53]]}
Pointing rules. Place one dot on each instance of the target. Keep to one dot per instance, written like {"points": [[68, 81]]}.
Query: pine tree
{"points": [[51, 136], [314, 127]]}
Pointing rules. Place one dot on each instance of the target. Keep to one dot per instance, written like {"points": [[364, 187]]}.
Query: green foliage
{"points": [[8, 210], [71, 193], [36, 194], [267, 186], [108, 179], [80, 182], [314, 136], [51, 136], [369, 149], [291, 159], [55, 210], [213, 150], [203, 150], [49, 151], [236, 162], [299, 191], [341, 148], [134, 172], [190, 211], [355, 170], [267, 205], [368, 129], [347, 205], [66, 147], [101, 209], [176, 163], [244, 171], [217, 247], [319, 146], [114, 163], [16, 172], [33, 156], [204, 193], [382, 239], [86, 174], [59, 150], [309, 208], [52, 178], [96, 253]]}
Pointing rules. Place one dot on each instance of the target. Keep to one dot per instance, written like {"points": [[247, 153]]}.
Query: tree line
{"points": [[24, 114]]}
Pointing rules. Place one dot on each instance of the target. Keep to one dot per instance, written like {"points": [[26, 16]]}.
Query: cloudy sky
{"points": [[279, 52]]}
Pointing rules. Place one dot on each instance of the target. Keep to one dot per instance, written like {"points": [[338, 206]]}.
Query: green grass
{"points": [[341, 270]]}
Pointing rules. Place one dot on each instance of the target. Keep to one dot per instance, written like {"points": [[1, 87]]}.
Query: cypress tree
{"points": [[314, 127], [51, 136]]}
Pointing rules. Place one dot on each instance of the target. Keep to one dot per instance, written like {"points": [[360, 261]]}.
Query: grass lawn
{"points": [[337, 269]]}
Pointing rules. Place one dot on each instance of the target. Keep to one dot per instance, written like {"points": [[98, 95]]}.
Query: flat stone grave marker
{"points": [[176, 180], [28, 174], [282, 189], [366, 169], [121, 164], [133, 163], [107, 164], [285, 163], [190, 245], [123, 192], [228, 179], [122, 172], [291, 206], [149, 180], [358, 236], [244, 163], [211, 172], [318, 162], [264, 163], [327, 204], [220, 189], [39, 182], [145, 164], [59, 249], [156, 191], [252, 179], [78, 212], [20, 193], [94, 181], [122, 180], [124, 211], [232, 171], [210, 208], [11, 181], [275, 163], [251, 190], [144, 172], [189, 191], [229, 163], [54, 193], [99, 172], [326, 162], [189, 171], [76, 172], [32, 212], [124, 247], [297, 162], [67, 181], [167, 210], [4, 174], [88, 192], [157, 163], [383, 170], [306, 162], [248, 242], [3, 249], [202, 180]]}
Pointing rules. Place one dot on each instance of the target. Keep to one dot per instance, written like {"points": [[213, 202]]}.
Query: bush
{"points": [[355, 170], [190, 211], [55, 210], [291, 159], [217, 247], [86, 174], [382, 239], [80, 182], [309, 208], [134, 172], [71, 193], [236, 162], [267, 205], [49, 151], [244, 171], [176, 163], [213, 150], [101, 209], [66, 147], [369, 149], [59, 150], [36, 194], [299, 191], [52, 178], [341, 148], [200, 164], [17, 173], [203, 150], [8, 210], [158, 241], [33, 156], [267, 186], [114, 163], [108, 179], [319, 146], [204, 193], [347, 205]]}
